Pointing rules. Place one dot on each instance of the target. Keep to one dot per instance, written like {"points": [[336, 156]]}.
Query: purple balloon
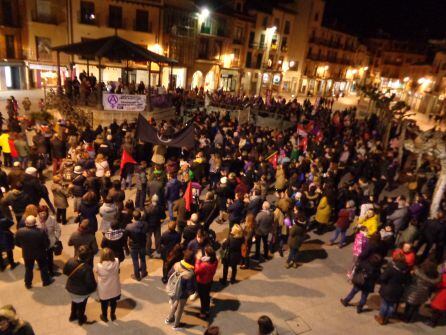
{"points": [[287, 222]]}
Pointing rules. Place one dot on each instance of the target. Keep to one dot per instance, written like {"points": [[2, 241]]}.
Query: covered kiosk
{"points": [[114, 48]]}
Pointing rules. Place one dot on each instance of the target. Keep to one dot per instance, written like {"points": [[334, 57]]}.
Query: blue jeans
{"points": [[338, 232], [292, 256], [139, 261], [386, 309], [170, 209], [352, 294]]}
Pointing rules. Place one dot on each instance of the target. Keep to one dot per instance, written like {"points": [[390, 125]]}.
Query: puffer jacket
{"points": [[420, 288], [109, 213], [370, 223], [81, 282]]}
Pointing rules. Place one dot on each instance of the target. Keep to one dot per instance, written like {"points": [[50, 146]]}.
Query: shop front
{"points": [[229, 80], [11, 76], [43, 75]]}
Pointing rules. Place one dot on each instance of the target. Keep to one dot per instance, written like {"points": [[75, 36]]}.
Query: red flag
{"points": [[188, 196], [273, 160], [301, 131], [126, 159], [304, 143]]}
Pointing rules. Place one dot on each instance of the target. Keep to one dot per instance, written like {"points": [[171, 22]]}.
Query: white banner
{"points": [[124, 102]]}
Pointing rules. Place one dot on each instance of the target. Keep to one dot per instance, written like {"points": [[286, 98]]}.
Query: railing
{"points": [[44, 18]]}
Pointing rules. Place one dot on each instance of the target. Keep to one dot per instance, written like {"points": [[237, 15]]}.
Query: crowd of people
{"points": [[266, 189]]}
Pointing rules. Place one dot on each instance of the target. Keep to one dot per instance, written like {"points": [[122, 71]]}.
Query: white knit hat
{"points": [[31, 170]]}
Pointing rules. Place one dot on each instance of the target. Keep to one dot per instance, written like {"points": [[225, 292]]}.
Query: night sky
{"points": [[404, 19]]}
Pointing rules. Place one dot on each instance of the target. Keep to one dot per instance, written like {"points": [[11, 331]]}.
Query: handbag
{"points": [[359, 277], [75, 270], [58, 247]]}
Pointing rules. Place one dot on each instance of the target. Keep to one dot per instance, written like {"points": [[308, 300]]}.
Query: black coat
{"points": [[81, 282], [78, 188], [296, 236], [153, 214], [136, 232], [393, 280], [34, 189], [89, 211], [168, 240], [233, 248], [116, 240], [33, 241], [372, 273], [6, 236], [236, 211], [208, 212], [255, 205]]}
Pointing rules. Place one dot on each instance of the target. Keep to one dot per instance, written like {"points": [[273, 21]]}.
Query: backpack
{"points": [[173, 286]]}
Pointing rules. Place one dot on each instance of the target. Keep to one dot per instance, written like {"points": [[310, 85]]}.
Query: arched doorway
{"points": [[197, 80], [209, 82]]}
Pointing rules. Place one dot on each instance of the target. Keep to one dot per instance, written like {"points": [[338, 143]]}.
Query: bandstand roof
{"points": [[113, 48]]}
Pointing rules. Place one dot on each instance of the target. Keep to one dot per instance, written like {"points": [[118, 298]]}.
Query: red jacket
{"points": [[344, 218], [205, 271], [439, 301], [410, 257]]}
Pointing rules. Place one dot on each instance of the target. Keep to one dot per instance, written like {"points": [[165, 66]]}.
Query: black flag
{"points": [[185, 138]]}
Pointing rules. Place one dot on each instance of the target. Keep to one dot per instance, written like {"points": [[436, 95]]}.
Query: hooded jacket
{"points": [[116, 241]]}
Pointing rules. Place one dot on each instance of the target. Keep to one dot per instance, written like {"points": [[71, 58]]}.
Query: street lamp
{"points": [[204, 13]]}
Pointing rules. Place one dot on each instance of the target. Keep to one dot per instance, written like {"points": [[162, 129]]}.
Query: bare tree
{"points": [[431, 142]]}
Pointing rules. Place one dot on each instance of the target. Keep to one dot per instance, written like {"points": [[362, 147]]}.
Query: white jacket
{"points": [[109, 285], [52, 229]]}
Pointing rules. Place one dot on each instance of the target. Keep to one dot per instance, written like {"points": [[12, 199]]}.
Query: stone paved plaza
{"points": [[300, 301]]}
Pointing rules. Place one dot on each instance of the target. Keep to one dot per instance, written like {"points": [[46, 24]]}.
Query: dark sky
{"points": [[407, 19]]}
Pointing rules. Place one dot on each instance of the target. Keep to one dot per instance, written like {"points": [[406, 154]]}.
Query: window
{"points": [[238, 36], [259, 61], [142, 21], [284, 46], [8, 13], [262, 41], [316, 17], [252, 36], [203, 48], [265, 22], [10, 46], [287, 28], [238, 7], [248, 59], [43, 48], [115, 16], [277, 23], [236, 59], [88, 15], [206, 26]]}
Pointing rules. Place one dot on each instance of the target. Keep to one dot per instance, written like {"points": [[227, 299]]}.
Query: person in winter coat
{"points": [[370, 221], [80, 283], [84, 236], [172, 193], [407, 252], [18, 200], [205, 268], [232, 253], [51, 227], [88, 209], [180, 208], [255, 203], [424, 280], [438, 303], [34, 243], [35, 190], [153, 215], [345, 218], [323, 214], [109, 286], [137, 238], [295, 239], [359, 245], [399, 218], [432, 233], [393, 281], [263, 226], [141, 185], [366, 275], [6, 244], [109, 213], [116, 240], [11, 324], [208, 210], [78, 187], [60, 197], [187, 287], [169, 239], [410, 234], [236, 210]]}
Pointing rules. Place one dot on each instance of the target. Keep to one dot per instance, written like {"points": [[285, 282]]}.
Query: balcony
{"points": [[44, 18], [91, 19], [144, 27]]}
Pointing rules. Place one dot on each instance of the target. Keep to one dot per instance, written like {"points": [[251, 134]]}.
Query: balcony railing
{"points": [[91, 19], [44, 18]]}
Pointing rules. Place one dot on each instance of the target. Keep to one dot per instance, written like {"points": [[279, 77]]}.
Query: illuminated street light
{"points": [[204, 14], [406, 79]]}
